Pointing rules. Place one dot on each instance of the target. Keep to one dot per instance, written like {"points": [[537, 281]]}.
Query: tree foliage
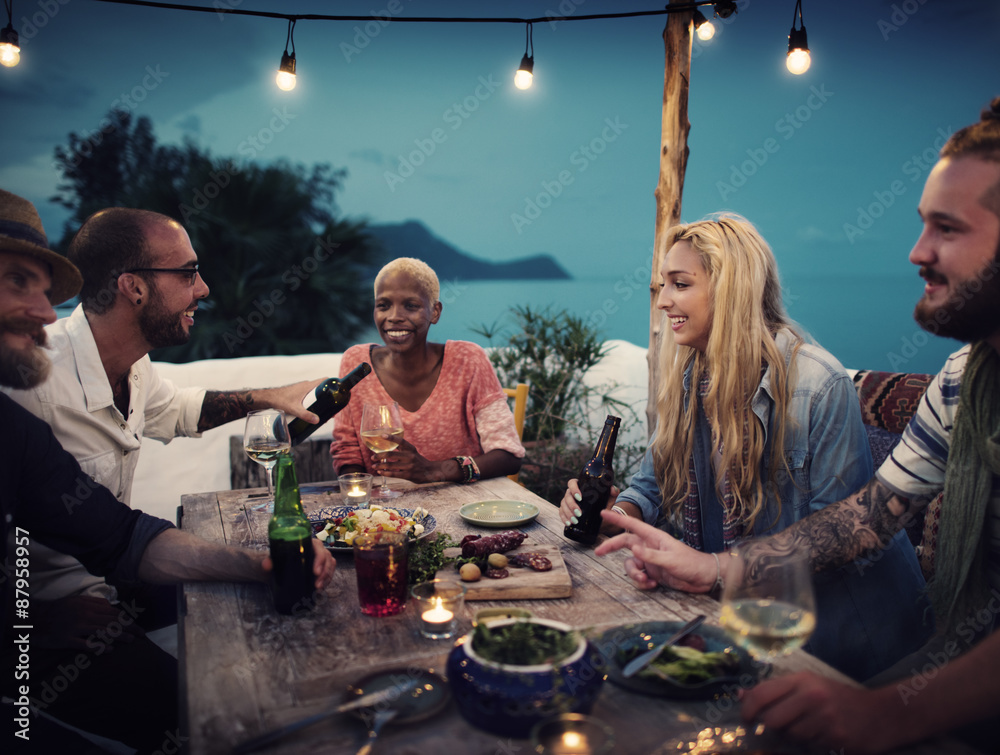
{"points": [[287, 275]]}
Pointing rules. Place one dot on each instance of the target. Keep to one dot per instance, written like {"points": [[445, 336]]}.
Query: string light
{"points": [[799, 59], [286, 71], [704, 28], [10, 51], [525, 75], [725, 8], [798, 50]]}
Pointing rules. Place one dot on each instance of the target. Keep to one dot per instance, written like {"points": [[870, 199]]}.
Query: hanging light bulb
{"points": [[703, 27], [799, 59], [286, 71], [725, 8], [10, 52], [525, 75]]}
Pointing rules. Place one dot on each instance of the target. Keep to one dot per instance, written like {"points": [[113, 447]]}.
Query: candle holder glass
{"points": [[438, 604], [572, 734], [356, 489]]}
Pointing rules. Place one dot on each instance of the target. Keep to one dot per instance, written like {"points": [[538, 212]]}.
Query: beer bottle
{"points": [[595, 481], [332, 395], [290, 536]]}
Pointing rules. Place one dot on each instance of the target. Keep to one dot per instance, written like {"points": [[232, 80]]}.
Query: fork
{"points": [[381, 718]]}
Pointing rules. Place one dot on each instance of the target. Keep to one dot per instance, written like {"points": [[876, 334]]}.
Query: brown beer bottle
{"points": [[595, 481]]}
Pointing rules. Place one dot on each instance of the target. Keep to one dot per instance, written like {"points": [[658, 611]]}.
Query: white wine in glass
{"points": [[381, 431], [771, 615], [265, 437]]}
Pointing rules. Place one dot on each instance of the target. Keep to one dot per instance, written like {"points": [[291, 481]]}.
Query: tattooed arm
{"points": [[220, 407], [861, 524]]}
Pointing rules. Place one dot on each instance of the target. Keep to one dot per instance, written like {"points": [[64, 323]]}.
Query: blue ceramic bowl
{"points": [[509, 700]]}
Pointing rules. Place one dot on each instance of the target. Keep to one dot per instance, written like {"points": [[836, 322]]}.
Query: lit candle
{"points": [[356, 493], [571, 743], [439, 616]]}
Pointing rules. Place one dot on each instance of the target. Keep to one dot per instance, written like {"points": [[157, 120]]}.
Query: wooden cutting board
{"points": [[523, 583]]}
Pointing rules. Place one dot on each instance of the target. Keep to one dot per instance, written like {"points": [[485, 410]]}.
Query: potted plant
{"points": [[552, 351], [508, 675]]}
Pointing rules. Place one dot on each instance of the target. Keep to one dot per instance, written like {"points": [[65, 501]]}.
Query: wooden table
{"points": [[246, 670]]}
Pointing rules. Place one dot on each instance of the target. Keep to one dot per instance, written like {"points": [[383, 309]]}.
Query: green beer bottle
{"points": [[290, 535]]}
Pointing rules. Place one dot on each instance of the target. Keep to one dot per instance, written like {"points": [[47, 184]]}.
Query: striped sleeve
{"points": [[916, 467]]}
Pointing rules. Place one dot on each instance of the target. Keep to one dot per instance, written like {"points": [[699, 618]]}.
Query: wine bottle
{"points": [[290, 536], [595, 482], [332, 395]]}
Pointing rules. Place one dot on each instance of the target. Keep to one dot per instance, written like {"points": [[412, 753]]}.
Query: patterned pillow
{"points": [[889, 399]]}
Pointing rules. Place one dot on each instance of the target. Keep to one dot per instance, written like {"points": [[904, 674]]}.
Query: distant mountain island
{"points": [[413, 239]]}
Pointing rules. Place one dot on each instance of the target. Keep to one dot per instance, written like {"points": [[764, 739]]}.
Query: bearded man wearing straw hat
{"points": [[103, 690]]}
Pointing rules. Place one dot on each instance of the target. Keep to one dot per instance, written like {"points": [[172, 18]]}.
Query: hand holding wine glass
{"points": [[773, 613], [265, 437], [381, 431]]}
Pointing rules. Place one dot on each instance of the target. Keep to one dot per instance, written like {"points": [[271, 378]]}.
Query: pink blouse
{"points": [[465, 415]]}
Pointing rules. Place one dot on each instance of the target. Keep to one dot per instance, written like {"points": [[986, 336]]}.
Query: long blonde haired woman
{"points": [[756, 428]]}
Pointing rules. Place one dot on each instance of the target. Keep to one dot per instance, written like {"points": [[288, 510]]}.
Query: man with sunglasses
{"points": [[141, 290]]}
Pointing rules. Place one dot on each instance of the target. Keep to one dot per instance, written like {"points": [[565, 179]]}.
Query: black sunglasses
{"points": [[191, 272]]}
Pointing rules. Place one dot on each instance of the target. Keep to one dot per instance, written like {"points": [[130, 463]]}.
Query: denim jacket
{"points": [[870, 613]]}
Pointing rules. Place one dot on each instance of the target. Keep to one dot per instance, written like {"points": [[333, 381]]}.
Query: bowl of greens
{"points": [[508, 675]]}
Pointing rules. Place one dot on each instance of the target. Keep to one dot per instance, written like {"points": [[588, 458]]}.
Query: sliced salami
{"points": [[494, 573], [476, 546], [535, 561]]}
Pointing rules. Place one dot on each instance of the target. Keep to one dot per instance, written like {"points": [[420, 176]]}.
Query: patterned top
{"points": [[916, 467], [465, 415]]}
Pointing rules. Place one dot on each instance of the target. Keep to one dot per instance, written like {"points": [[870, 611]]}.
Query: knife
{"points": [[365, 701], [640, 662]]}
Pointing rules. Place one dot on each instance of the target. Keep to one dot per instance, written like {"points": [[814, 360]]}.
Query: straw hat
{"points": [[21, 232]]}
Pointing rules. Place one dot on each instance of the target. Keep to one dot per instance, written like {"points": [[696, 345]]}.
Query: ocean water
{"points": [[866, 322]]}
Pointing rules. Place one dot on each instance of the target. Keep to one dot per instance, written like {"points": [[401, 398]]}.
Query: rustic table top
{"points": [[246, 669]]}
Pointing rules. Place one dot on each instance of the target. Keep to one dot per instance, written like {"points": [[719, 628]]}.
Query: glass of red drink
{"points": [[380, 561]]}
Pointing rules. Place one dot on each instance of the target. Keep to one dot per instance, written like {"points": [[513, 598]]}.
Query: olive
{"points": [[470, 573], [497, 560]]}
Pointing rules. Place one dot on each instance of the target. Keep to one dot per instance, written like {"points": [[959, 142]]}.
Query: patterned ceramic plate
{"points": [[319, 520], [500, 514], [620, 644]]}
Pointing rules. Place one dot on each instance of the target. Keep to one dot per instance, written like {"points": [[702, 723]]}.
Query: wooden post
{"points": [[670, 188]]}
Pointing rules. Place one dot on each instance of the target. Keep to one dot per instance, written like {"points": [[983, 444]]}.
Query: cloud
{"points": [[52, 87], [190, 124], [369, 155]]}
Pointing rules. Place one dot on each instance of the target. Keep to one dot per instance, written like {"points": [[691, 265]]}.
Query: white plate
{"points": [[319, 519], [498, 513]]}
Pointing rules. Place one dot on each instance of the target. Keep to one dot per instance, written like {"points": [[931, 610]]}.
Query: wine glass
{"points": [[381, 431], [772, 613], [264, 437]]}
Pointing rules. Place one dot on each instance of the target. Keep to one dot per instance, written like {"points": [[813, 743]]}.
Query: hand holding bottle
{"points": [[596, 480], [569, 506]]}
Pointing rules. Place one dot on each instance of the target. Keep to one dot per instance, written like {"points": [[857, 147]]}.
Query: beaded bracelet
{"points": [[467, 466]]}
